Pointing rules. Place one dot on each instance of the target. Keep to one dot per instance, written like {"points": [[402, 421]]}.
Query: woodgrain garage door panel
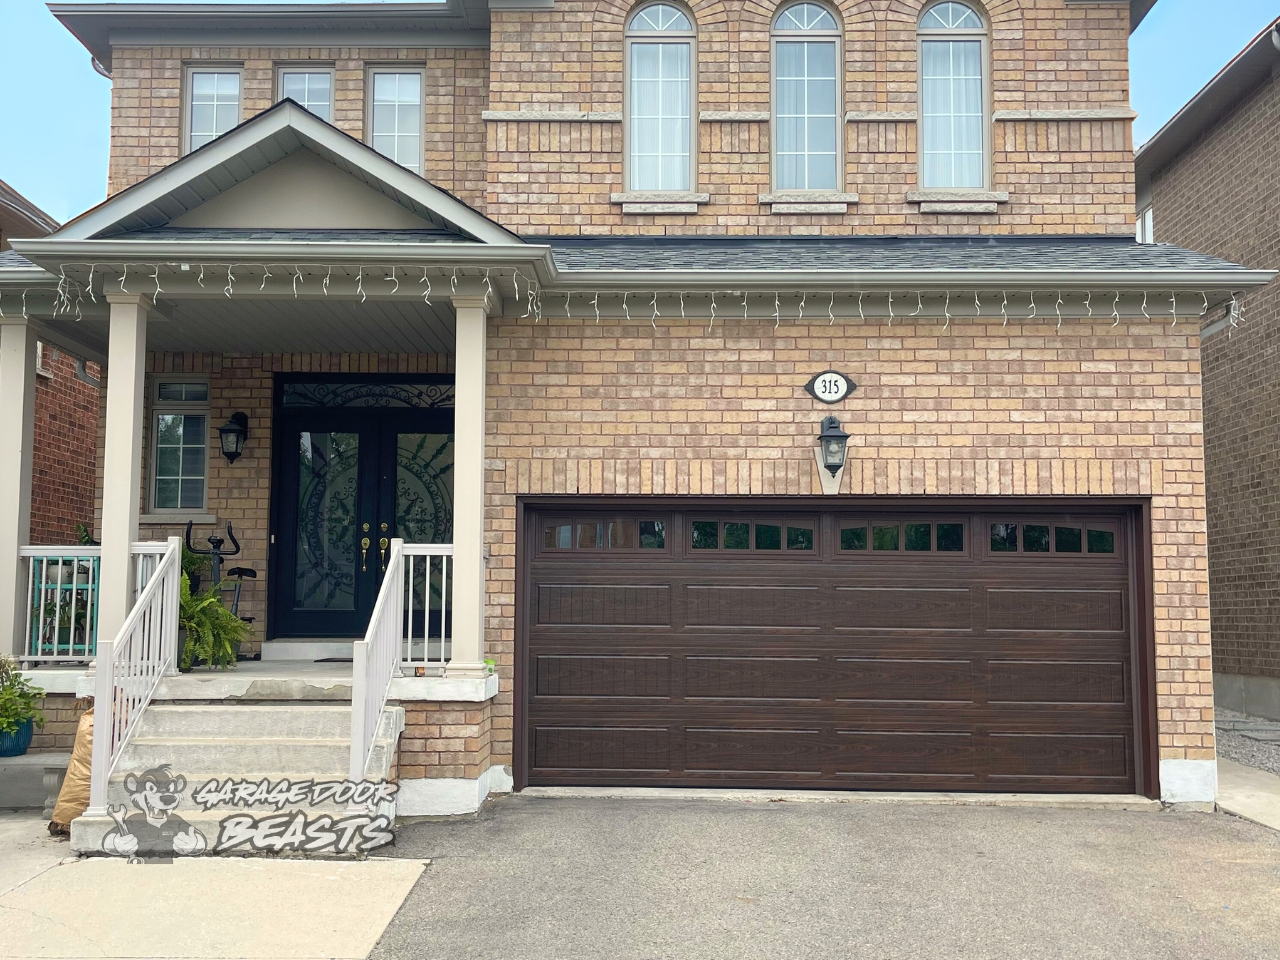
{"points": [[905, 608], [802, 657], [754, 678], [890, 680], [602, 676]]}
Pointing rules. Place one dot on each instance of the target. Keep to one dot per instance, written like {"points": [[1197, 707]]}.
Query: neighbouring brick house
{"points": [[1210, 181], [764, 394]]}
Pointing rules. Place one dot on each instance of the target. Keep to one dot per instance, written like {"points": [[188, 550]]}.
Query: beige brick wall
{"points": [[615, 408], [1221, 197], [62, 713], [445, 740], [1062, 177], [146, 103]]}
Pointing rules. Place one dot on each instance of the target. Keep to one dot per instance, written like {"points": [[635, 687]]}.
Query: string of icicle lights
{"points": [[240, 278]]}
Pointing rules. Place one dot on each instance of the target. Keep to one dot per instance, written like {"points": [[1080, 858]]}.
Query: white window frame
{"points": [[190, 407], [1146, 225], [982, 36], [631, 38], [811, 36], [187, 93], [421, 73], [305, 67]]}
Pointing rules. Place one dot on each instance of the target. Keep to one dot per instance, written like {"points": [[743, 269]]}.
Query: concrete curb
{"points": [[1090, 801]]}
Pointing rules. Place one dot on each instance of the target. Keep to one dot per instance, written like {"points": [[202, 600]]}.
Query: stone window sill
{"points": [[201, 519], [658, 201], [808, 202], [958, 201]]}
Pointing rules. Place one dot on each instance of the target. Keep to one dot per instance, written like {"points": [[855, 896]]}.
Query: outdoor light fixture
{"points": [[831, 445], [233, 434]]}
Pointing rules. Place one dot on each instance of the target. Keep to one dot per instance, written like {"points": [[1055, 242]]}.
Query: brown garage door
{"points": [[849, 649]]}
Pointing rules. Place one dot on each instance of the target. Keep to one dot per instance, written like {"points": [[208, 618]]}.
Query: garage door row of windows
{"points": [[774, 537]]}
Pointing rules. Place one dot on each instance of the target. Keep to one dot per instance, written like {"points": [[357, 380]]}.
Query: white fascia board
{"points": [[894, 280], [54, 251], [309, 129]]}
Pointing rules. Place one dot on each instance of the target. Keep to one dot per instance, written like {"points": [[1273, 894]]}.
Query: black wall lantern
{"points": [[233, 434], [832, 442]]}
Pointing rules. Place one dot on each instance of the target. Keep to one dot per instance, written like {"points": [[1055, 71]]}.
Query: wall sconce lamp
{"points": [[830, 454], [232, 436]]}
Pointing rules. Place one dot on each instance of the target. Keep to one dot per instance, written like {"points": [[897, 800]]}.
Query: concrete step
{"points": [[291, 757], [246, 721]]}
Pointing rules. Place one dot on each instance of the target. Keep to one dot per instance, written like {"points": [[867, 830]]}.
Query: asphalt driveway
{"points": [[564, 879]]}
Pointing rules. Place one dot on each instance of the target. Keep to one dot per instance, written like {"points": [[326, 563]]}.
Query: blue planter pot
{"points": [[15, 744]]}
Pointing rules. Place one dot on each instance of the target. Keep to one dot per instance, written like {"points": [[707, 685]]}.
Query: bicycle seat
{"points": [[243, 573]]}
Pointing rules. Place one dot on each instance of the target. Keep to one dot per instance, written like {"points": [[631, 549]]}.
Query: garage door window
{"points": [[916, 537], [1053, 538], [753, 536], [605, 533]]}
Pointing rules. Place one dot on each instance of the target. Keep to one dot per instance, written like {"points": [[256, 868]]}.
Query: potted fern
{"points": [[208, 632], [19, 715]]}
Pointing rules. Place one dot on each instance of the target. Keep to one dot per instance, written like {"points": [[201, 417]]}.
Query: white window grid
{"points": [[807, 140], [310, 87], [953, 91], [179, 471], [660, 126], [213, 104], [395, 115]]}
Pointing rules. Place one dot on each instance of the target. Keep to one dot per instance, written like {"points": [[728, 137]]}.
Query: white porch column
{"points": [[122, 457], [17, 432], [468, 486]]}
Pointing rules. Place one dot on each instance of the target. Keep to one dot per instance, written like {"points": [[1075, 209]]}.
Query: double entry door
{"points": [[350, 481]]}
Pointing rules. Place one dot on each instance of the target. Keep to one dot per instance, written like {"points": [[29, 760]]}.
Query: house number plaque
{"points": [[830, 387]]}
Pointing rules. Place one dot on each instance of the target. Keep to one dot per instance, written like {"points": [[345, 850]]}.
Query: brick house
{"points": [[710, 395], [1208, 181]]}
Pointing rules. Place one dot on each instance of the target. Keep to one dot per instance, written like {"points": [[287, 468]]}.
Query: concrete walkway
{"points": [[207, 907], [1249, 793], [581, 879]]}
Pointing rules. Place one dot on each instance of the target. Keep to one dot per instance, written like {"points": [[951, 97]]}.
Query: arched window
{"points": [[659, 42], [806, 98], [952, 97]]}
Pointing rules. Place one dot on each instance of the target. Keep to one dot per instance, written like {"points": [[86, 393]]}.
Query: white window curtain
{"points": [[952, 114], [661, 126], [807, 124], [397, 118], [215, 106]]}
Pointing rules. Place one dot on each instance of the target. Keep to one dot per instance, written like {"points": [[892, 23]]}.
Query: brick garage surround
{"points": [[555, 177], [615, 408], [1220, 196]]}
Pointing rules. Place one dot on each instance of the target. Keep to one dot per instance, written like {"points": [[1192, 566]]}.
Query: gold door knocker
{"points": [[364, 550], [382, 547]]}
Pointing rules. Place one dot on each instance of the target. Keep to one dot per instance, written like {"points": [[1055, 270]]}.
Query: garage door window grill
{"points": [[1046, 538], [611, 534], [897, 538], [763, 537]]}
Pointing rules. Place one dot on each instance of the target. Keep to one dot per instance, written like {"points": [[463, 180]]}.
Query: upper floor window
{"points": [[659, 43], [312, 89], [213, 105], [1146, 227], [806, 99], [952, 108], [395, 110]]}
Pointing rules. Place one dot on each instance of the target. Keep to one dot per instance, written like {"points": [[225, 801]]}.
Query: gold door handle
{"points": [[364, 549], [382, 548]]}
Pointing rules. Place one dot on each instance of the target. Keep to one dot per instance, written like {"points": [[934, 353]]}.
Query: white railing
{"points": [[410, 630], [62, 598], [130, 667]]}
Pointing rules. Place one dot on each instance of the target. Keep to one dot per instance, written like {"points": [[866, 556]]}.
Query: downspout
{"points": [[82, 374]]}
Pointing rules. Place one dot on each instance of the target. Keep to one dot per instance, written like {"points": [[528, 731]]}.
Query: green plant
{"points": [[194, 564], [213, 631], [18, 697], [84, 536]]}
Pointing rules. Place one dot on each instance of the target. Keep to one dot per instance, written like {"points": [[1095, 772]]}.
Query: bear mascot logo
{"points": [[155, 833]]}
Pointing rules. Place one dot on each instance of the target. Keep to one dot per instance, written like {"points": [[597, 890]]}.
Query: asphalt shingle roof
{"points": [[873, 253]]}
